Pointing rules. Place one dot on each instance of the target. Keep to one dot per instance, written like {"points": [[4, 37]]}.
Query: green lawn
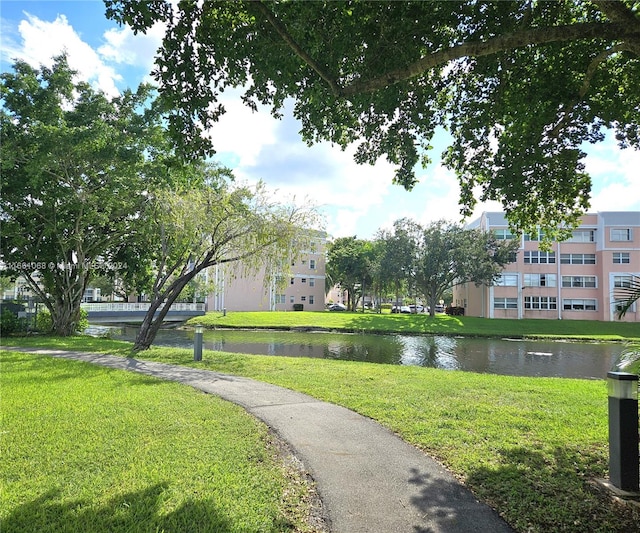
{"points": [[89, 449], [421, 324], [530, 447]]}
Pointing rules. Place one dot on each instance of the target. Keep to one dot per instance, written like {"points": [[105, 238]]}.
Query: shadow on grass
{"points": [[132, 512], [552, 492]]}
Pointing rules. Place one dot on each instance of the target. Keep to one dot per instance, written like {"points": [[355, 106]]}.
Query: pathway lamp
{"points": [[624, 468], [197, 343]]}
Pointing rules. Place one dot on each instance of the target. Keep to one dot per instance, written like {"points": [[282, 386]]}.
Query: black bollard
{"points": [[197, 343], [624, 468]]}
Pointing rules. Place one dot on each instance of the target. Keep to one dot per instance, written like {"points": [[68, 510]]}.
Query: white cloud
{"points": [[124, 47], [59, 37], [121, 48]]}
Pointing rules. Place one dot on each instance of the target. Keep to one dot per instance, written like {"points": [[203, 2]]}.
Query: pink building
{"points": [[575, 280], [304, 284]]}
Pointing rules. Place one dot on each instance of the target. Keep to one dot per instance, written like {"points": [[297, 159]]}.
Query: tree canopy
{"points": [[214, 222], [520, 85], [75, 168]]}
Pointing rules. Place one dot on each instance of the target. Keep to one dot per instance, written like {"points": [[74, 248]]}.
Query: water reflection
{"points": [[495, 356]]}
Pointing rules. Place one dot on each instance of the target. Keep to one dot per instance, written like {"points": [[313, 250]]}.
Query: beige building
{"points": [[304, 284], [576, 279]]}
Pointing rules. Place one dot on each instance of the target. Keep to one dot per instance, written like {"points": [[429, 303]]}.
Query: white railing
{"points": [[125, 307]]}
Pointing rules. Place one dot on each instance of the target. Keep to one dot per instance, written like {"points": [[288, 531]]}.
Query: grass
{"points": [[530, 447], [423, 324], [91, 449]]}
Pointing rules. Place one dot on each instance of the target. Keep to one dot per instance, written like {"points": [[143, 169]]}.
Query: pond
{"points": [[495, 356]]}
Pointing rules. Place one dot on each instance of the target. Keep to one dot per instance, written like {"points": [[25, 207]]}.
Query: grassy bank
{"points": [[91, 449], [530, 447], [424, 324]]}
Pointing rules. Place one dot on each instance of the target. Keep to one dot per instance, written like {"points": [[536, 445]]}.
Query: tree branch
{"points": [[287, 38], [532, 36]]}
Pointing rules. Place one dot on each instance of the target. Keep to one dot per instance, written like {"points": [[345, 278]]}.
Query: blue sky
{"points": [[356, 199]]}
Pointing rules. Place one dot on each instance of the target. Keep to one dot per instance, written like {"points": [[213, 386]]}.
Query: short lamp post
{"points": [[197, 343], [624, 468]]}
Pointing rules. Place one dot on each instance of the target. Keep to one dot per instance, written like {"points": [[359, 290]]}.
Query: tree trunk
{"points": [[152, 321]]}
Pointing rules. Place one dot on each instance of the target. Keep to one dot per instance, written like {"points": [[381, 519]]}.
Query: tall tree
{"points": [[349, 265], [448, 254], [211, 223], [74, 173], [520, 85]]}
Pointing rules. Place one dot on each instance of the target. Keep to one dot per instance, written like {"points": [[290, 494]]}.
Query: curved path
{"points": [[369, 480]]}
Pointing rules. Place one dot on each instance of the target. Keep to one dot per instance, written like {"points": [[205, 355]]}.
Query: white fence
{"points": [[125, 307]]}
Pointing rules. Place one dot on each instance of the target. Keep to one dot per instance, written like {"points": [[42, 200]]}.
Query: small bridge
{"points": [[124, 312]]}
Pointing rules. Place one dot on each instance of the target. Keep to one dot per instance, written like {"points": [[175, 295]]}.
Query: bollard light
{"points": [[624, 466], [197, 343]]}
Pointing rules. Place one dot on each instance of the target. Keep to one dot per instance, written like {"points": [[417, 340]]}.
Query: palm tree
{"points": [[625, 297]]}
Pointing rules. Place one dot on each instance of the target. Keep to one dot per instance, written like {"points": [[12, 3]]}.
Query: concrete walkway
{"points": [[369, 480]]}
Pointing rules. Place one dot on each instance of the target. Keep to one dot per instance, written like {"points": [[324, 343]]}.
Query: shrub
{"points": [[44, 323], [10, 323]]}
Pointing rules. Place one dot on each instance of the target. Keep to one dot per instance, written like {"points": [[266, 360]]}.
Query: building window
{"points": [[621, 258], [534, 237], [311, 299], [588, 282], [312, 264], [622, 281], [513, 257], [540, 302], [532, 257], [503, 234], [621, 234], [507, 280], [505, 303], [303, 280], [281, 298], [292, 299], [579, 304], [582, 235], [303, 298], [539, 280], [578, 259], [312, 282]]}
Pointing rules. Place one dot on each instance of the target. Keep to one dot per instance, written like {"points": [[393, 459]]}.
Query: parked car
{"points": [[416, 308], [401, 309], [337, 307]]}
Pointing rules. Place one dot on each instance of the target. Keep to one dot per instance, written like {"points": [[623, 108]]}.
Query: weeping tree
{"points": [[216, 222], [75, 167]]}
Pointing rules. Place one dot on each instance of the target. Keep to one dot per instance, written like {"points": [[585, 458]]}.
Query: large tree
{"points": [[448, 254], [520, 85], [349, 264], [214, 222], [75, 167]]}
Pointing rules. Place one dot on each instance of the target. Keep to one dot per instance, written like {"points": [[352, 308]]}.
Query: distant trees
{"points": [[418, 261], [75, 170], [448, 255], [349, 264]]}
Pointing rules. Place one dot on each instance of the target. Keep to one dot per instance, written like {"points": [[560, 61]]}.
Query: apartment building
{"points": [[575, 280], [304, 284]]}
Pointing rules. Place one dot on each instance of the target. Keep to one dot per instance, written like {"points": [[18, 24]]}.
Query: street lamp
{"points": [[197, 343]]}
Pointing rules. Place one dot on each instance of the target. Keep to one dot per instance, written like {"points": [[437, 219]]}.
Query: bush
{"points": [[10, 323], [44, 324]]}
